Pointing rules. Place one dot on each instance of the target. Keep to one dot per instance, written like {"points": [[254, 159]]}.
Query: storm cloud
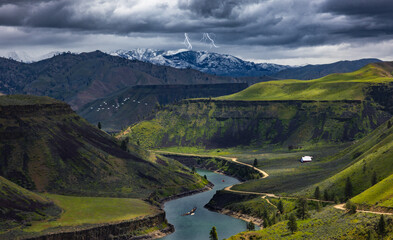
{"points": [[287, 24]]}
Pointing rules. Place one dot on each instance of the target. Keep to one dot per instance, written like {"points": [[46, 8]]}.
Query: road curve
{"points": [[265, 175]]}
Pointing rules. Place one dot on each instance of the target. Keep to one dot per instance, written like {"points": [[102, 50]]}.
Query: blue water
{"points": [[198, 226]]}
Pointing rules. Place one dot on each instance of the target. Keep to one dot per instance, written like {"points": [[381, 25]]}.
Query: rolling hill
{"points": [[45, 146], [19, 205], [136, 103], [317, 71], [371, 155], [345, 86], [336, 108]]}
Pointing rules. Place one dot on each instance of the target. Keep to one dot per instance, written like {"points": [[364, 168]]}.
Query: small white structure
{"points": [[306, 159]]}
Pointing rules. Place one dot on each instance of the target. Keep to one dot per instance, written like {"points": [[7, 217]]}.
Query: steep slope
{"points": [[317, 71], [45, 146], [133, 104], [371, 155], [81, 78], [346, 86], [207, 62], [19, 205], [336, 108], [216, 123], [379, 195]]}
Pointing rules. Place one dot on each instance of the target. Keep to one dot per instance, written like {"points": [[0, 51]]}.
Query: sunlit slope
{"points": [[344, 86], [380, 195], [372, 155]]}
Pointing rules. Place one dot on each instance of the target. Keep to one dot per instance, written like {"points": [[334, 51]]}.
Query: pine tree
{"points": [[213, 234], [348, 189], [326, 195], [292, 224], [374, 179], [317, 193], [255, 162], [250, 226], [99, 125], [280, 206], [381, 227], [302, 208]]}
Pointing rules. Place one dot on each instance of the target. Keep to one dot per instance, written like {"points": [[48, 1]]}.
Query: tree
{"points": [[374, 179], [317, 193], [280, 206], [292, 224], [351, 207], [123, 145], [255, 162], [381, 227], [348, 189], [326, 195], [99, 125], [302, 208], [250, 226], [213, 234], [193, 169], [318, 206]]}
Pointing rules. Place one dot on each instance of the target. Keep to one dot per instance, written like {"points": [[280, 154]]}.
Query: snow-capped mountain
{"points": [[208, 62]]}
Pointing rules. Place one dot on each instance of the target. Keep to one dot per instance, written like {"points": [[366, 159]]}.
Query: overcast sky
{"points": [[292, 32]]}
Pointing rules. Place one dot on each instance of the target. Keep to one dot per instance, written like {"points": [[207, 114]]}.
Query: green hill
{"points": [[379, 195], [339, 86], [372, 154], [18, 205], [336, 108], [45, 146]]}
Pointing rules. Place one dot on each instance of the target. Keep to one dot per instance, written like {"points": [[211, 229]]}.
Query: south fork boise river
{"points": [[198, 226]]}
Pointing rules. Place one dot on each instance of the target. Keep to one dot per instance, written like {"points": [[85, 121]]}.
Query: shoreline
{"points": [[238, 215]]}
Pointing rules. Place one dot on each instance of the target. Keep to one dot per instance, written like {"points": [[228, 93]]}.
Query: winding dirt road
{"points": [[265, 175]]}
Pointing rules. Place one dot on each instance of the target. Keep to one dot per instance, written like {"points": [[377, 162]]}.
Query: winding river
{"points": [[198, 226]]}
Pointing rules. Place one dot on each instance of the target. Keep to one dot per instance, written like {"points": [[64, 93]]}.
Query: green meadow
{"points": [[79, 211]]}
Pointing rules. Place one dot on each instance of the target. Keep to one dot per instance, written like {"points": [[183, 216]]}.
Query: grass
{"points": [[93, 210], [7, 100], [345, 86], [380, 195], [372, 154], [330, 223]]}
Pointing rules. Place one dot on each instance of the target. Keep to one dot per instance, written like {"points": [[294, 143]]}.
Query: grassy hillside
{"points": [[379, 195], [18, 205], [329, 223], [223, 123], [371, 155], [344, 86], [93, 210], [47, 147], [317, 71], [133, 104]]}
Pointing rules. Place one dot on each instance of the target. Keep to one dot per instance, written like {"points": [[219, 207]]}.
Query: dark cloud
{"points": [[286, 23], [364, 8]]}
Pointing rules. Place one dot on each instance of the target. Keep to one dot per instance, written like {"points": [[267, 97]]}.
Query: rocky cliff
{"points": [[224, 123]]}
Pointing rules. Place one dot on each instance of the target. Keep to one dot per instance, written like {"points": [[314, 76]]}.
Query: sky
{"points": [[294, 32]]}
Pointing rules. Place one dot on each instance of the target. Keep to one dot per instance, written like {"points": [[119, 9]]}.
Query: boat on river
{"points": [[192, 212]]}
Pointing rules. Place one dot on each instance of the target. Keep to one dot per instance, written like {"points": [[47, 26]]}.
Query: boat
{"points": [[192, 212]]}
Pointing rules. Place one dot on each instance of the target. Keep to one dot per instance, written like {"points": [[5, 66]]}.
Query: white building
{"points": [[306, 159]]}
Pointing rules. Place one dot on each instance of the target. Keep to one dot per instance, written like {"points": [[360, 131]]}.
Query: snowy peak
{"points": [[208, 62]]}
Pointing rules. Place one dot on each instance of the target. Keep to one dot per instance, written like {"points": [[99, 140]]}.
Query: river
{"points": [[198, 226]]}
